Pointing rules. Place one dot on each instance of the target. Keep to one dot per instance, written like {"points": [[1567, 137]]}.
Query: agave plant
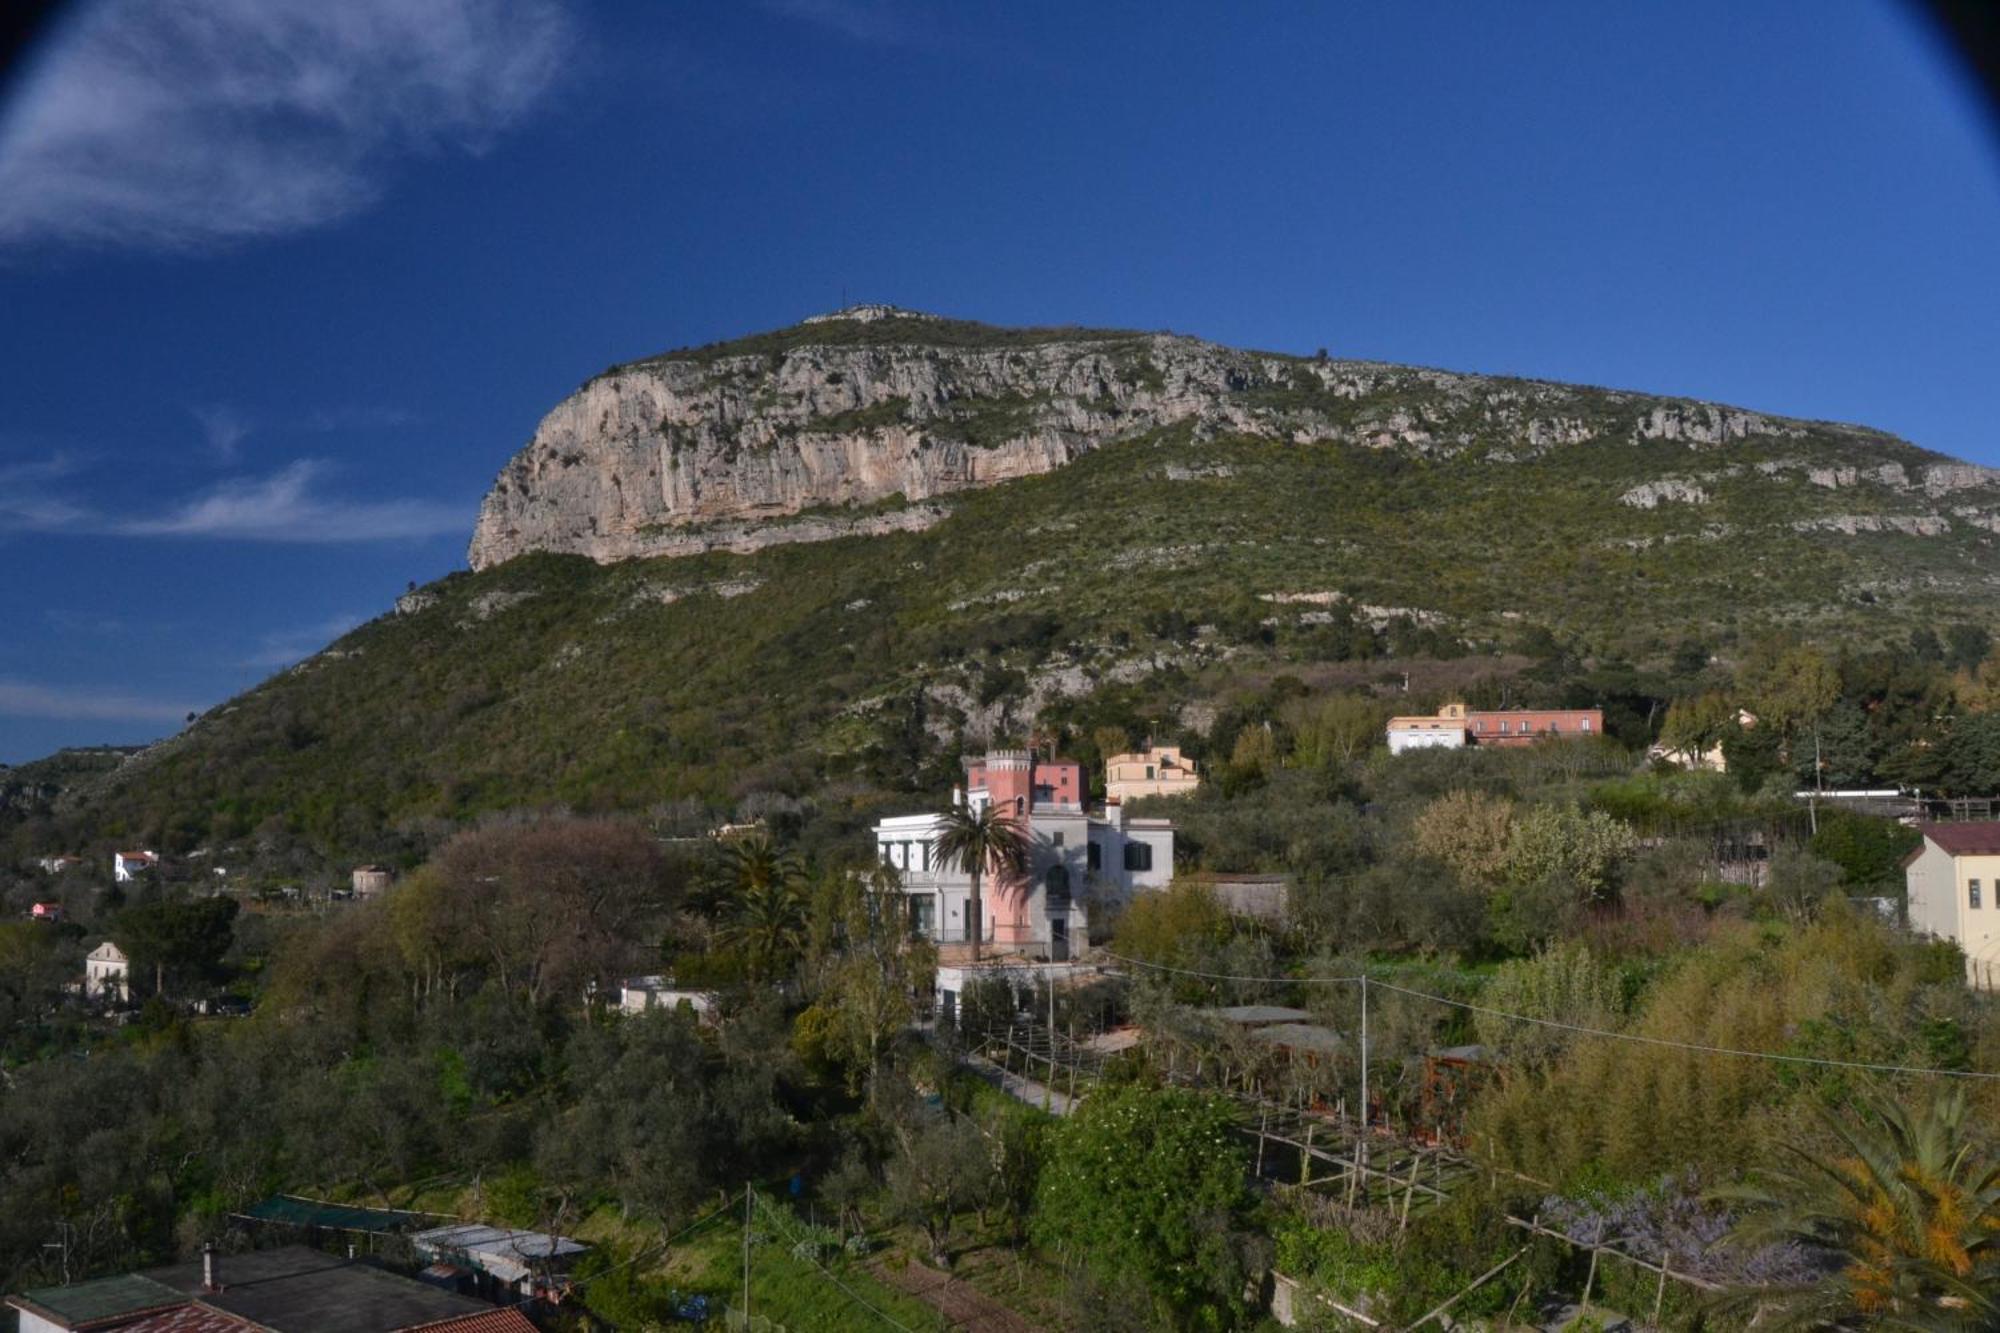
{"points": [[1907, 1209]]}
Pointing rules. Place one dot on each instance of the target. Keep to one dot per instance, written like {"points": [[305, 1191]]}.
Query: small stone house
{"points": [[368, 881]]}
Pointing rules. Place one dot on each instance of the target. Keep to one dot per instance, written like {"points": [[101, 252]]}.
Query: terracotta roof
{"points": [[191, 1318], [1974, 838], [508, 1320]]}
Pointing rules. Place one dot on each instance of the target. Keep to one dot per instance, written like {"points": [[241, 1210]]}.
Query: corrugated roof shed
{"points": [[296, 1211], [1254, 1015], [1299, 1037], [501, 1251]]}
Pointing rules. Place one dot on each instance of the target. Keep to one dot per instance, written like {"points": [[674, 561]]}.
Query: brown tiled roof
{"points": [[191, 1318], [1979, 837], [507, 1320]]}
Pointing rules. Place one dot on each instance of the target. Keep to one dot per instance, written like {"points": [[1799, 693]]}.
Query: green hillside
{"points": [[1145, 576]]}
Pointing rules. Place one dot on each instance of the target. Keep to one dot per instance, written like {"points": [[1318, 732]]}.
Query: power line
{"points": [[1579, 1028], [1224, 976], [772, 1210]]}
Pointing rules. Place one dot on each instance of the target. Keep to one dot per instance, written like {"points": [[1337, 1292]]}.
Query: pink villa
{"points": [[1077, 858]]}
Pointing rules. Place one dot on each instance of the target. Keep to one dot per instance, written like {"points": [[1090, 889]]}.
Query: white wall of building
{"points": [[1402, 739], [34, 1323], [1933, 901], [1940, 890], [1091, 852], [106, 973]]}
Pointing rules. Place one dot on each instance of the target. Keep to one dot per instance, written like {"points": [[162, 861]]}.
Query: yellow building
{"points": [[1952, 877], [1159, 771]]}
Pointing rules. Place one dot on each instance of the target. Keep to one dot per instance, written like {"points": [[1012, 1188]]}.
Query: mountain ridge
{"points": [[875, 405]]}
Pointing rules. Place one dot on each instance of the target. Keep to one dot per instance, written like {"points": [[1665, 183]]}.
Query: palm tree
{"points": [[1907, 1206], [975, 840], [769, 925], [749, 865], [764, 900]]}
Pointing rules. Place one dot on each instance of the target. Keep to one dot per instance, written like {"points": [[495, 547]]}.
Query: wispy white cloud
{"points": [[225, 429], [19, 698], [285, 646], [26, 498], [291, 505], [183, 123], [33, 471], [224, 426], [287, 507]]}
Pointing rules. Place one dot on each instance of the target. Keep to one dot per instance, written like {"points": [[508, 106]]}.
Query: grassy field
{"points": [[792, 1292]]}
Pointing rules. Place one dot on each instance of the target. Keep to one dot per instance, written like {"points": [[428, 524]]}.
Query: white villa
{"points": [[1078, 859]]}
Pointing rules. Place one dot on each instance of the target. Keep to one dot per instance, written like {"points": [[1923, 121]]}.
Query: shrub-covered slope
{"points": [[1150, 571]]}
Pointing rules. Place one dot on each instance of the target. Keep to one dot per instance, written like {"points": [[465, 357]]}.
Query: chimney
{"points": [[209, 1282]]}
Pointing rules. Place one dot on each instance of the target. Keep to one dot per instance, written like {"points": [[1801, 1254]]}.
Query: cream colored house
{"points": [[1952, 878], [1160, 770]]}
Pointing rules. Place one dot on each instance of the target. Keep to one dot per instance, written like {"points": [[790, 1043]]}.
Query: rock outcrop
{"points": [[861, 421]]}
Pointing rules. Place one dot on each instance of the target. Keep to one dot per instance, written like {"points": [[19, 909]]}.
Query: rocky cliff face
{"points": [[851, 422]]}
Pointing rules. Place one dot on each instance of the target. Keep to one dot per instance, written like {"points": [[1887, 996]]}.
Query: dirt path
{"points": [[963, 1305], [1021, 1089]]}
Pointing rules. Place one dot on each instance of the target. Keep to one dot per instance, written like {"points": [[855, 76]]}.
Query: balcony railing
{"points": [[1036, 949]]}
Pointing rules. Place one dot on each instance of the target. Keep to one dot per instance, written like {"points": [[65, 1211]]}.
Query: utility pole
{"points": [[1819, 783], [746, 1254], [1361, 1153], [1049, 1093], [62, 1229]]}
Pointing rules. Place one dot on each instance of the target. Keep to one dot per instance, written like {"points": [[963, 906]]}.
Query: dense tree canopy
{"points": [[1144, 1189]]}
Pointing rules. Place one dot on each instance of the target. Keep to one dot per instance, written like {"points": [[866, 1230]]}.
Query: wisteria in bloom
{"points": [[1674, 1224]]}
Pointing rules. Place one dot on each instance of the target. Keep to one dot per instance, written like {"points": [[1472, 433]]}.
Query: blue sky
{"points": [[283, 284]]}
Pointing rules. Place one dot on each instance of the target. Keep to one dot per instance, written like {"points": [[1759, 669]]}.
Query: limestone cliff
{"points": [[852, 422]]}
